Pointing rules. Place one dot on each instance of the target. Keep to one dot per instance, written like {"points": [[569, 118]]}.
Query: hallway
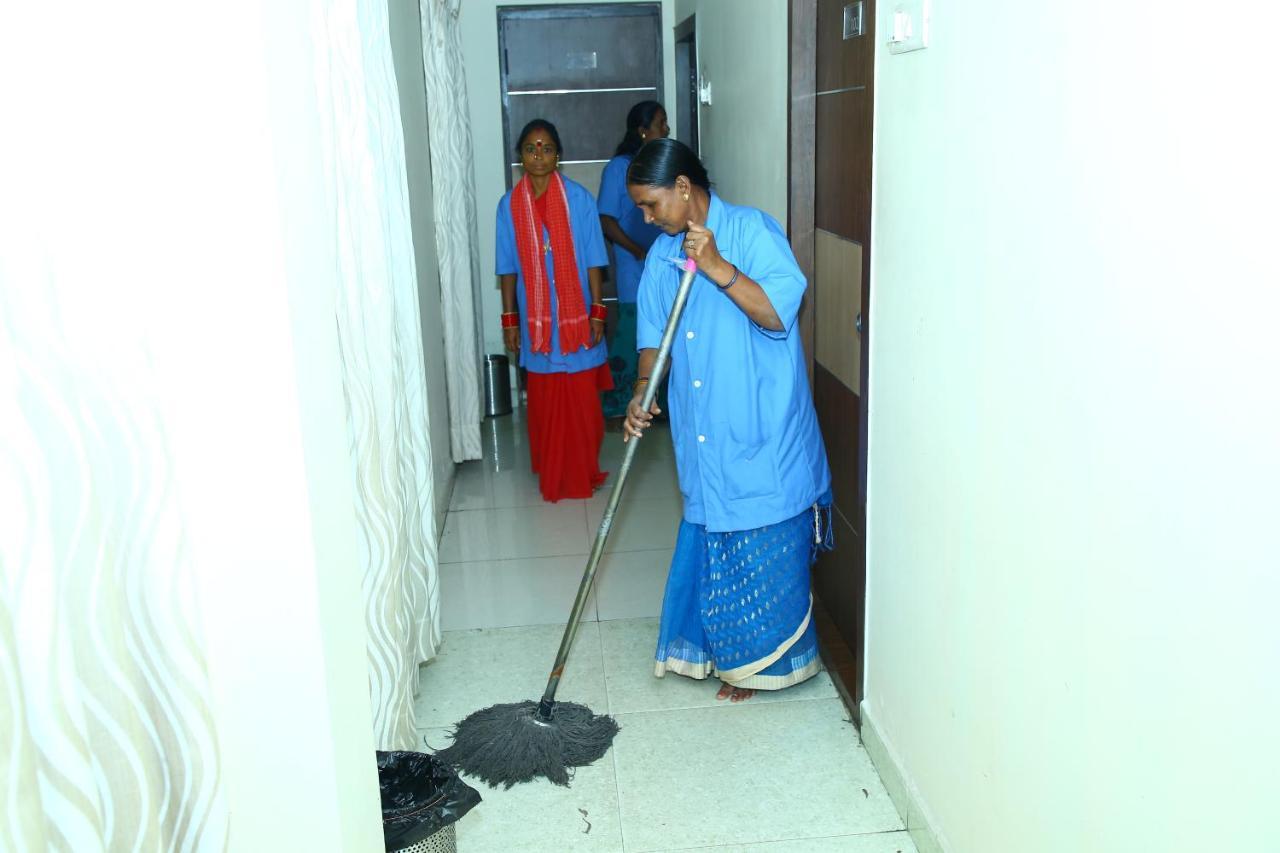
{"points": [[782, 772]]}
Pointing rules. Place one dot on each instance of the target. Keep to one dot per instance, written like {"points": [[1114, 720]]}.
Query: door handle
{"points": [[857, 322]]}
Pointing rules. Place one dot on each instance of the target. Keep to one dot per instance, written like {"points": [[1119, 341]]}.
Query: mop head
{"points": [[507, 744]]}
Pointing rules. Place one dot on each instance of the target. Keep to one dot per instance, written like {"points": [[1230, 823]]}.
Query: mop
{"points": [[520, 741]]}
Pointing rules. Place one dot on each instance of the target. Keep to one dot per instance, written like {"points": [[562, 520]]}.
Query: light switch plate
{"points": [[908, 26]]}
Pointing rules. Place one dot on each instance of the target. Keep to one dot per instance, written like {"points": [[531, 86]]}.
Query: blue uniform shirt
{"points": [[614, 201], [588, 241], [748, 448]]}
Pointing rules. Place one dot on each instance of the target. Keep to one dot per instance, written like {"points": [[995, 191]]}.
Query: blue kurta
{"points": [[588, 242], [614, 201], [748, 449]]}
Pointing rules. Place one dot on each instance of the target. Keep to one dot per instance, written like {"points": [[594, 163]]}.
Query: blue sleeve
{"points": [[651, 316], [613, 198], [587, 233], [505, 260], [768, 260]]}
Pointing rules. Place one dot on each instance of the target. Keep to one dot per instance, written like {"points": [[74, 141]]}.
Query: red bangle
{"points": [[598, 312], [510, 320]]}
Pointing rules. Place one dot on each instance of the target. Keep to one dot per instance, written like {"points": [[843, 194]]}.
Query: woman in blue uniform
{"points": [[751, 462], [549, 254], [624, 226]]}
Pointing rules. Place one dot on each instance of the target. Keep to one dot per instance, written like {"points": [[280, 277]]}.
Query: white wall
{"points": [[1072, 556], [406, 45], [479, 24], [742, 51]]}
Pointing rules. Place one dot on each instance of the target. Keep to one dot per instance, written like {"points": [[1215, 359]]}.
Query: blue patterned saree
{"points": [[737, 605]]}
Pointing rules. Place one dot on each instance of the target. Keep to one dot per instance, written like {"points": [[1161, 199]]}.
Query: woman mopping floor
{"points": [[750, 457]]}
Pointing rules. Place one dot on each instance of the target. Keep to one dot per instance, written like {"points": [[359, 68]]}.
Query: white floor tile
{"points": [[781, 773], [436, 738], [656, 444], [652, 475], [629, 646], [479, 486], [638, 525], [878, 842], [539, 817], [476, 669], [506, 593], [744, 774], [549, 530], [629, 584]]}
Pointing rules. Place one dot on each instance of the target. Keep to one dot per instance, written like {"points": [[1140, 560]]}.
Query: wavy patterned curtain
{"points": [[107, 740], [449, 125], [381, 342]]}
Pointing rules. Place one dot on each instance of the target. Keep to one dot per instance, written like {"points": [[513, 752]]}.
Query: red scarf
{"points": [[530, 249]]}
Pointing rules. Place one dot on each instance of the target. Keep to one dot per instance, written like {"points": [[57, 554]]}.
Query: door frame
{"points": [[687, 31], [802, 177]]}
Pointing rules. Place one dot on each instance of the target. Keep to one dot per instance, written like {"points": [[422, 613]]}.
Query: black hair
{"points": [[540, 124], [661, 161], [640, 116]]}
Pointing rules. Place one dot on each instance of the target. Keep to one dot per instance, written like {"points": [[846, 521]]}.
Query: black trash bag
{"points": [[420, 796]]}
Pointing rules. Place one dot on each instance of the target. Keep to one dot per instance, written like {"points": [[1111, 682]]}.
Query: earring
{"points": [[642, 136], [686, 196]]}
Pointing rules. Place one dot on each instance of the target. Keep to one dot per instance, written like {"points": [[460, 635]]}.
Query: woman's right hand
{"points": [[511, 339], [637, 418]]}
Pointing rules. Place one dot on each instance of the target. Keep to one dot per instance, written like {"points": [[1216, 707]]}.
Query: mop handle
{"points": [[597, 548]]}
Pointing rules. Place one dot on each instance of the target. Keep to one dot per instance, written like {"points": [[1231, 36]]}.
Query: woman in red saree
{"points": [[550, 251]]}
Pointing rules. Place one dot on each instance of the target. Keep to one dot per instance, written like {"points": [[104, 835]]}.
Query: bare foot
{"points": [[734, 694]]}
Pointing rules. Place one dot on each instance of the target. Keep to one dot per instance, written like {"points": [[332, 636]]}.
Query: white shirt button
{"points": [[689, 335], [697, 383], [702, 438]]}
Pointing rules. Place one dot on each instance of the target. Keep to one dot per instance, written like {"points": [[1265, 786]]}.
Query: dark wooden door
{"points": [[831, 89]]}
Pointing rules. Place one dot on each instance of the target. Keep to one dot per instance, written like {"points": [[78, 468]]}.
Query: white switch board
{"points": [[908, 26]]}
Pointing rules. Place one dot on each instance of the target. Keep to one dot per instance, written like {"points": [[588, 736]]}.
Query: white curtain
{"points": [[381, 341], [449, 125], [107, 739]]}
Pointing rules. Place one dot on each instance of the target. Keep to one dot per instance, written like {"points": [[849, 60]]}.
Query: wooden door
{"points": [[831, 88]]}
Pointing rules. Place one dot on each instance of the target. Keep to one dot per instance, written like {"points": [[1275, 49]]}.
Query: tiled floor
{"points": [[781, 773]]}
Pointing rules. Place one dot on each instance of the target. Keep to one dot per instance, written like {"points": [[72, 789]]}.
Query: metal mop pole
{"points": [[597, 548]]}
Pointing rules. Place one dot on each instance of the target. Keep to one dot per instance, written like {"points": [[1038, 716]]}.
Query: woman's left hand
{"points": [[700, 244], [597, 331]]}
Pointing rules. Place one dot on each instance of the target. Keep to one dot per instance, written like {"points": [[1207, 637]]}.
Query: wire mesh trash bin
{"points": [[441, 841], [422, 801], [497, 385]]}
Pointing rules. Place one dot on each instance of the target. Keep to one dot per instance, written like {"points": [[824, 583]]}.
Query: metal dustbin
{"points": [[441, 841], [422, 801], [497, 385]]}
